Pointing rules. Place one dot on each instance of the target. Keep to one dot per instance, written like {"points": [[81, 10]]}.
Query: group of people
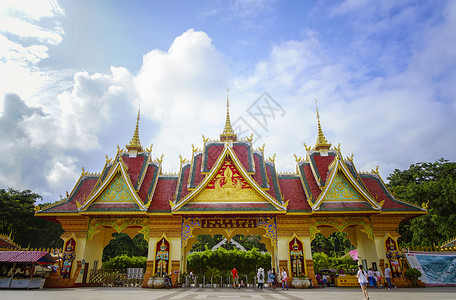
{"points": [[375, 277], [271, 278]]}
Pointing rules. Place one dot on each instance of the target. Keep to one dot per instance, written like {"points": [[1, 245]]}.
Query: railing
{"points": [[217, 282], [115, 278]]}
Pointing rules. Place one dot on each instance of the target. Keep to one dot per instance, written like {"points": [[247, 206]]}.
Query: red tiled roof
{"points": [[242, 153], [85, 187], [213, 153], [6, 244], [26, 256], [376, 191], [134, 165], [314, 189], [151, 172], [257, 176], [164, 191], [322, 163], [197, 176], [292, 190]]}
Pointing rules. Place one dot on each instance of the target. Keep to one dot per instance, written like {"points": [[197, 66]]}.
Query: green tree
{"points": [[434, 184], [337, 244], [122, 244], [17, 216]]}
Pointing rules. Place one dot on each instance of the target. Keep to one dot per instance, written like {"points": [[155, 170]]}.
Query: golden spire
{"points": [[322, 143], [228, 132], [135, 144]]}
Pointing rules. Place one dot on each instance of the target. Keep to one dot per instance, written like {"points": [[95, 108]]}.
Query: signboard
{"points": [[438, 269]]}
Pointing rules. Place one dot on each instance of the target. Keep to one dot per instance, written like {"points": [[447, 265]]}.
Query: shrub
{"points": [[123, 262], [412, 273]]}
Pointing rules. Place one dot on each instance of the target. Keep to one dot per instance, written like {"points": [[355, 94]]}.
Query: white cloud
{"points": [[184, 90]]}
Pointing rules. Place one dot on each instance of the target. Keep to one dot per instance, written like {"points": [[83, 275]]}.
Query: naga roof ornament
{"points": [[135, 144], [322, 143], [228, 132]]}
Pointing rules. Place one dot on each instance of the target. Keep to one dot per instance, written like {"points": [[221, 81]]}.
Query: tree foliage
{"points": [[207, 262], [432, 183], [122, 244], [17, 217], [123, 262], [337, 244]]}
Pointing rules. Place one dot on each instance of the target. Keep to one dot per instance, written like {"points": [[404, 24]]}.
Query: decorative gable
{"points": [[117, 193], [341, 190], [228, 187], [343, 193]]}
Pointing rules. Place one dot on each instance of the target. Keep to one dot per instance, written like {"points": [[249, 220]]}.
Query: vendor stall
{"points": [[18, 269]]}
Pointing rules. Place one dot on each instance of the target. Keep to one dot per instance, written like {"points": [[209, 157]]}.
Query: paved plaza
{"points": [[437, 293]]}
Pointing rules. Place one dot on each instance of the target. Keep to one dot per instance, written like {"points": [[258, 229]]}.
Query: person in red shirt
{"points": [[234, 272]]}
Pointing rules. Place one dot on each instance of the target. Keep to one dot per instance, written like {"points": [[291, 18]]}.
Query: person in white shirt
{"points": [[378, 277], [284, 279], [362, 279], [371, 276], [260, 277], [388, 277]]}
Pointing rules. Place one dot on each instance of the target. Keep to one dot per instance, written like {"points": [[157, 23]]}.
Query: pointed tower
{"points": [[135, 145], [228, 132], [322, 143]]}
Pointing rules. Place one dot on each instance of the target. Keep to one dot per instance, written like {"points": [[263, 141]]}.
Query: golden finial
{"points": [[351, 157], [272, 158], [36, 208], [150, 148], [262, 148], [84, 171], [67, 195], [298, 159], [250, 138], [228, 132], [160, 159], [307, 147], [381, 203], [195, 149], [425, 205], [375, 171], [205, 139], [322, 143], [135, 144]]}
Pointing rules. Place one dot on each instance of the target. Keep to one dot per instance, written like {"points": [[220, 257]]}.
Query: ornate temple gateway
{"points": [[227, 188]]}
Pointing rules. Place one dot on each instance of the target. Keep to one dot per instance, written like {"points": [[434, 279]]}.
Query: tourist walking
{"points": [[235, 274], [284, 279], [362, 279], [270, 279], [371, 276], [379, 279], [274, 284], [388, 277], [260, 278]]}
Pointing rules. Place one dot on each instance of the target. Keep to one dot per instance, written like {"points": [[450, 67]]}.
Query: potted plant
{"points": [[413, 274]]}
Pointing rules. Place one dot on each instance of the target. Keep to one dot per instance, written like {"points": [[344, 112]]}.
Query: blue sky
{"points": [[72, 74]]}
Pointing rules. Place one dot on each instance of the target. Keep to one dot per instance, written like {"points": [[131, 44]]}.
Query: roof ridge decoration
{"points": [[321, 143], [121, 169], [339, 165], [135, 144], [228, 132], [212, 175]]}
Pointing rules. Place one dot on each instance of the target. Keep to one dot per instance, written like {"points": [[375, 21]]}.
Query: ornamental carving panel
{"points": [[118, 224], [340, 223], [342, 190]]}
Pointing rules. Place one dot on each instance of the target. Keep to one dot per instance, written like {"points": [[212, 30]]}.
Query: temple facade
{"points": [[228, 187]]}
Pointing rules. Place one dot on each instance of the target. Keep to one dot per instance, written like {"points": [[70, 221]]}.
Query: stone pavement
{"points": [[435, 293]]}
